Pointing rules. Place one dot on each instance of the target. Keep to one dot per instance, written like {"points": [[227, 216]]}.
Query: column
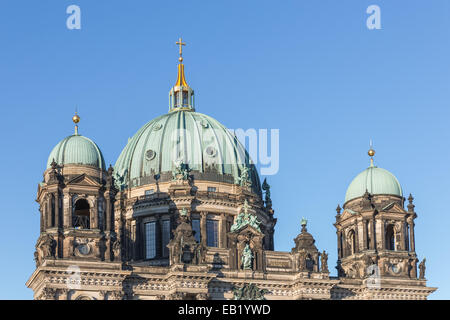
{"points": [[94, 214], [383, 234], [107, 212], [373, 235], [56, 195], [411, 236], [365, 231], [340, 255], [49, 211], [223, 231], [203, 216]]}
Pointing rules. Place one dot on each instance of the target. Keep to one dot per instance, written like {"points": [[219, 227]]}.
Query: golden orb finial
{"points": [[371, 153], [76, 118]]}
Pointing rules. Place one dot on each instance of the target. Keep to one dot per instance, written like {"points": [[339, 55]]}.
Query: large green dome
{"points": [[76, 149], [376, 181], [210, 150]]}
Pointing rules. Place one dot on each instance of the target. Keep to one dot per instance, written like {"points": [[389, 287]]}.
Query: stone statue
{"points": [[45, 247], [116, 250], [302, 261], [266, 188], [37, 259], [249, 292], [247, 258], [110, 177], [422, 269], [324, 261], [413, 268]]}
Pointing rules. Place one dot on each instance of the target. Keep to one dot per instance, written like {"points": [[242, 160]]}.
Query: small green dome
{"points": [[210, 150], [76, 149], [376, 181]]}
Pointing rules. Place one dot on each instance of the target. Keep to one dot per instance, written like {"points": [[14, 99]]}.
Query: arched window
{"points": [[352, 241], [390, 237], [81, 215]]}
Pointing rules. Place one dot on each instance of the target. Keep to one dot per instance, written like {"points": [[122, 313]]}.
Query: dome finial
{"points": [[181, 44], [181, 80], [181, 96], [371, 153], [76, 119]]}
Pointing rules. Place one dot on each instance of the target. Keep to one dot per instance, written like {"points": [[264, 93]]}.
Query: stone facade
{"points": [[94, 244]]}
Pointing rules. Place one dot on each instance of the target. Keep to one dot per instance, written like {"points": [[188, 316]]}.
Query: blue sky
{"points": [[309, 68]]}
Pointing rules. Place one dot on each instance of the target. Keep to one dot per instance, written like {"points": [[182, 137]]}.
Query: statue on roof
{"points": [[266, 188], [245, 218], [244, 178], [181, 171]]}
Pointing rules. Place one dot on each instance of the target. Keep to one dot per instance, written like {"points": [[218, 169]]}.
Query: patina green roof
{"points": [[376, 181], [77, 149], [183, 135]]}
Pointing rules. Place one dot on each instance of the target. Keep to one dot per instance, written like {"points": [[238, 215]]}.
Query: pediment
{"points": [[394, 207], [348, 213], [84, 180], [248, 229]]}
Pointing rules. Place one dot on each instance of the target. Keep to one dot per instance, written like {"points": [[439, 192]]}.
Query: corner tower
{"points": [[375, 234], [76, 199]]}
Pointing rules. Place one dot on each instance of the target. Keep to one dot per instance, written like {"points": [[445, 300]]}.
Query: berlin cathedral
{"points": [[183, 215]]}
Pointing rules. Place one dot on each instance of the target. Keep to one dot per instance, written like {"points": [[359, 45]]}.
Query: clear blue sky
{"points": [[309, 68]]}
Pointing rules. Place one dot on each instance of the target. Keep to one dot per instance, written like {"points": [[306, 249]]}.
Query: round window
{"points": [[150, 154], [211, 151]]}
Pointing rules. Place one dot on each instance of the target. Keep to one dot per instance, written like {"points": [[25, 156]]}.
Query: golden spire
{"points": [[76, 119], [371, 153], [181, 80]]}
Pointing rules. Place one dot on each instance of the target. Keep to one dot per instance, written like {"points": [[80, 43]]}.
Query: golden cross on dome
{"points": [[181, 44]]}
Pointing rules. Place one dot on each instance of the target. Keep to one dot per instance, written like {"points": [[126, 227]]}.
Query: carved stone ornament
{"points": [[249, 292], [45, 248], [83, 247], [48, 294]]}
